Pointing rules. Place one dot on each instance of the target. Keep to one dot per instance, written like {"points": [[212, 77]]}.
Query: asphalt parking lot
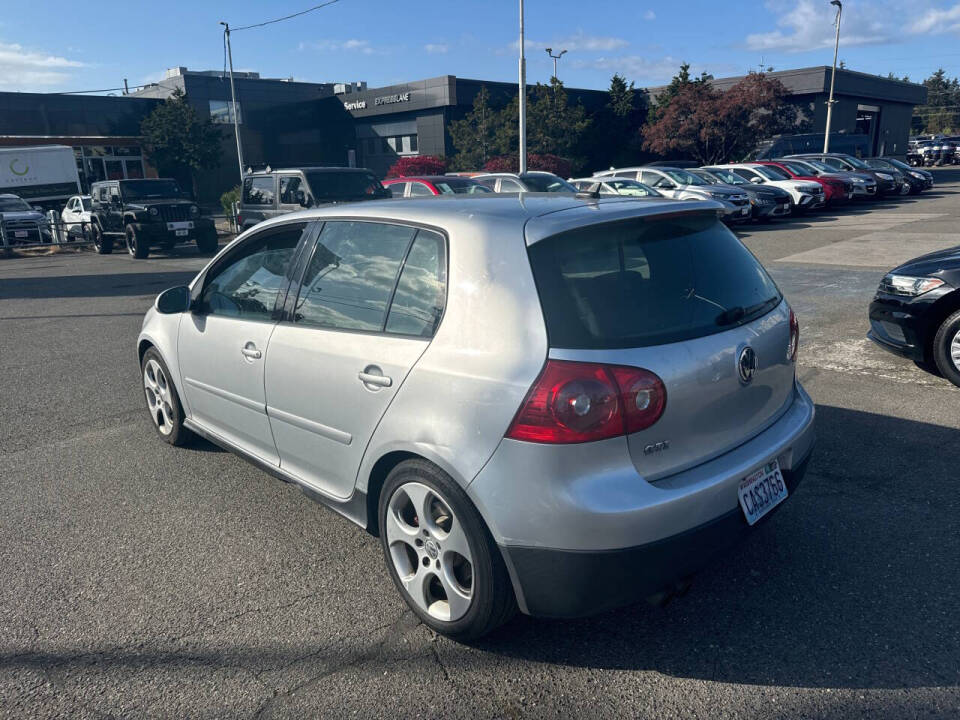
{"points": [[144, 580]]}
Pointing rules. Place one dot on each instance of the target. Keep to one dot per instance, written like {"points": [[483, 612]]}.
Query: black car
{"points": [[144, 214], [889, 182], [916, 313], [918, 180], [766, 201], [269, 193]]}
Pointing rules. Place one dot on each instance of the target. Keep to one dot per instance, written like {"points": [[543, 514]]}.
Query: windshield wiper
{"points": [[735, 315]]}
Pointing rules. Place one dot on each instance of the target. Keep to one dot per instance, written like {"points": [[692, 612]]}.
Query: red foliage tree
{"points": [[549, 163], [713, 126], [417, 165]]}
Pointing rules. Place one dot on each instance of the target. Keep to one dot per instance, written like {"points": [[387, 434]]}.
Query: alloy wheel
{"points": [[430, 551], [955, 350], [158, 392]]}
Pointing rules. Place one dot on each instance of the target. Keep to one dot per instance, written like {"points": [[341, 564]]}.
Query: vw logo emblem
{"points": [[746, 364], [433, 550]]}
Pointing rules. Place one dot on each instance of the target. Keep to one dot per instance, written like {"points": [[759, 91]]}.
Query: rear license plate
{"points": [[745, 211], [761, 491], [20, 233], [182, 233]]}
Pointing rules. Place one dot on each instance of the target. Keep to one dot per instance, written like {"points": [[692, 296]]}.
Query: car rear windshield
{"points": [[647, 282], [338, 185]]}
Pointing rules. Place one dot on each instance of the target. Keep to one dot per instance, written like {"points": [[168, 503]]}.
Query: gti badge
{"points": [[656, 447], [746, 364]]}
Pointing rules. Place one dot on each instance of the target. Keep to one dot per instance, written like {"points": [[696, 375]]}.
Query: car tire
{"points": [[101, 243], [163, 402], [946, 348], [135, 245], [208, 243], [425, 573]]}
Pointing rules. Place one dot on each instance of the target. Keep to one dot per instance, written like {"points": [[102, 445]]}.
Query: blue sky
{"points": [[60, 45]]}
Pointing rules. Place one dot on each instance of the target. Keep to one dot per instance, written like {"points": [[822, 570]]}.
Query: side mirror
{"points": [[756, 180], [304, 199], [174, 300]]}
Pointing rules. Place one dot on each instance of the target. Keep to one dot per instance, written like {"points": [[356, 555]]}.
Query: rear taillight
{"points": [[794, 345], [574, 402]]}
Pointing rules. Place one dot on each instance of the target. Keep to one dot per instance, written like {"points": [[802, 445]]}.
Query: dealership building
{"points": [[284, 122]]}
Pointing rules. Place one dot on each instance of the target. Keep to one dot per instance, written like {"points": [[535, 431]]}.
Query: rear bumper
{"points": [[562, 583], [587, 519]]}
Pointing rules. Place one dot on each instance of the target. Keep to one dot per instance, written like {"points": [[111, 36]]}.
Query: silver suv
{"points": [[557, 403], [682, 184]]}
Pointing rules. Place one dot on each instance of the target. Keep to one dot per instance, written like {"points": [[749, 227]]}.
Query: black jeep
{"points": [[144, 214]]}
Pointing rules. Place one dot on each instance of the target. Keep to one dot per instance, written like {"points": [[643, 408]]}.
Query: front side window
{"points": [[248, 284], [332, 185], [418, 189], [258, 191], [351, 275], [289, 185], [508, 186], [421, 292]]}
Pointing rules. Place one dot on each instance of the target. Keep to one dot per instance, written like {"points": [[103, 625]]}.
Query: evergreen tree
{"points": [[475, 136], [177, 142]]}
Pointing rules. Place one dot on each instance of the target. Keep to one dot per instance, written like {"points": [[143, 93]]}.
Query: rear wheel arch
{"points": [[378, 476]]}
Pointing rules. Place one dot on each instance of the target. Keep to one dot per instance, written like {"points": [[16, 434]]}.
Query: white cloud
{"points": [[937, 21], [579, 41], [808, 25], [23, 69], [649, 15], [644, 70], [353, 45], [436, 48]]}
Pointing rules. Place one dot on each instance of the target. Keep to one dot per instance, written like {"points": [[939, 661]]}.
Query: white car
{"points": [[76, 216], [615, 186], [806, 195]]}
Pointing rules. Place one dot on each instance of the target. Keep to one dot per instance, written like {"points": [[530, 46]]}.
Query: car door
{"points": [[222, 344], [114, 208], [369, 302]]}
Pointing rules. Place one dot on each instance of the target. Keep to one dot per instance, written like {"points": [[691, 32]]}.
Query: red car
{"points": [[835, 188], [426, 185]]}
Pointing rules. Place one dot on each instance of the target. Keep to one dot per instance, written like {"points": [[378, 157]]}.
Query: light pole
{"points": [[555, 58], [523, 99], [833, 77], [233, 101]]}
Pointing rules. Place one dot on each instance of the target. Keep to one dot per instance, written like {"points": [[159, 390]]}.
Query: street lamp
{"points": [[522, 100], [833, 77], [555, 58]]}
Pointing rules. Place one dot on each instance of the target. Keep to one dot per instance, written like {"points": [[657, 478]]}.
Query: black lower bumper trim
{"points": [[564, 583]]}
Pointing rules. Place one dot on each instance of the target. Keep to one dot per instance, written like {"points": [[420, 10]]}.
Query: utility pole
{"points": [[233, 101], [833, 77], [555, 58], [523, 99]]}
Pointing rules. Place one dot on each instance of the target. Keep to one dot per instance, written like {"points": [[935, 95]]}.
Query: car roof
{"points": [[428, 178], [312, 168], [543, 214]]}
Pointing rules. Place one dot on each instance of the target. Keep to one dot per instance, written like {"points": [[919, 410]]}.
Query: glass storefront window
{"points": [[114, 169], [134, 169]]}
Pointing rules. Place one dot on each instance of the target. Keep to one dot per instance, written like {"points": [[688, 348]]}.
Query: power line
{"points": [[285, 17]]}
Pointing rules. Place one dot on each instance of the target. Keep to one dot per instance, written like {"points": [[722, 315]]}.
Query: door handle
{"points": [[371, 379], [250, 351]]}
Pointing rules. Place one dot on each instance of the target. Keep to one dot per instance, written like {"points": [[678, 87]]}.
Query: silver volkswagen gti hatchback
{"points": [[561, 404]]}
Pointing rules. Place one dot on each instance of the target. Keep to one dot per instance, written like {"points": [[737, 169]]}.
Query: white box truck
{"points": [[44, 176]]}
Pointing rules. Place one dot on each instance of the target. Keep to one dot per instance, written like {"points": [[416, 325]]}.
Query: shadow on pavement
{"points": [[854, 584], [106, 285]]}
